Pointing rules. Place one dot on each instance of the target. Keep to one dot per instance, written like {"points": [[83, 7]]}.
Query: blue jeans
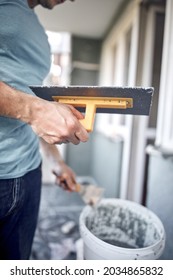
{"points": [[19, 205]]}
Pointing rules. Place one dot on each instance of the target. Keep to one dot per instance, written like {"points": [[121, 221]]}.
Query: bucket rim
{"points": [[89, 208]]}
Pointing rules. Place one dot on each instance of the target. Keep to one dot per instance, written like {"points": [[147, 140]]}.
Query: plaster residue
{"points": [[121, 226]]}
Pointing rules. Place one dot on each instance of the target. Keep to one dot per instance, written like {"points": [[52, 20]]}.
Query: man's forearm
{"points": [[55, 122], [52, 152], [14, 103], [65, 177]]}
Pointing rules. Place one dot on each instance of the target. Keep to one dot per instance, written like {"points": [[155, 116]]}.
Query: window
{"points": [[60, 44], [164, 137], [118, 69], [131, 53]]}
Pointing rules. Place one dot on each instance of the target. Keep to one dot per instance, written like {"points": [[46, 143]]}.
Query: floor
{"points": [[57, 235]]}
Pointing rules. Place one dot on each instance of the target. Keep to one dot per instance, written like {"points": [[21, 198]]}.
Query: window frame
{"points": [[164, 134]]}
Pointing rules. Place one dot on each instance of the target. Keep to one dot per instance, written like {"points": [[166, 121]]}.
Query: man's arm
{"points": [[65, 177], [54, 122]]}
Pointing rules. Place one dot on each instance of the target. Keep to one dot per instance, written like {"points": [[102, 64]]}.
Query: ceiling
{"points": [[87, 18]]}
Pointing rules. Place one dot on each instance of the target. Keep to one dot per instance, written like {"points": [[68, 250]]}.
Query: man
{"points": [[24, 118]]}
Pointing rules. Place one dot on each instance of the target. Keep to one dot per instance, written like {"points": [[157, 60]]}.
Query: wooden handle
{"points": [[88, 121], [90, 110], [92, 103]]}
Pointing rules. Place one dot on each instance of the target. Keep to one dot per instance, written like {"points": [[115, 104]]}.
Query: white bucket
{"points": [[119, 229]]}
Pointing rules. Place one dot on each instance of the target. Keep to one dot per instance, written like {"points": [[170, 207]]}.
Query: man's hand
{"points": [[65, 177], [57, 123], [54, 122]]}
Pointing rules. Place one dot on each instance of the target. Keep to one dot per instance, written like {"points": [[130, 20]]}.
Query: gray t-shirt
{"points": [[24, 61]]}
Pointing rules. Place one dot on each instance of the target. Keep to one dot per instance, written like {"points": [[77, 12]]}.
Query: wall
{"points": [[106, 163], [85, 61], [84, 71], [100, 157], [79, 158], [160, 196]]}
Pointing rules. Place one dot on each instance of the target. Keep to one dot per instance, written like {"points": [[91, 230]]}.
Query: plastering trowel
{"points": [[94, 99]]}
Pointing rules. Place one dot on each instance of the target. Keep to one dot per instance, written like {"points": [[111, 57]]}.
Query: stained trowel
{"points": [[95, 99]]}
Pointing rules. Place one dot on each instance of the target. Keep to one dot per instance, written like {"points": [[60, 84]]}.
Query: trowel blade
{"points": [[90, 194], [142, 97]]}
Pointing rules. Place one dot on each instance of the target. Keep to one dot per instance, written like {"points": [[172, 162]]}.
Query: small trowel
{"points": [[90, 194]]}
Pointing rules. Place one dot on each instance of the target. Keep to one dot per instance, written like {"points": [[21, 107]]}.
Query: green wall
{"points": [[100, 157], [160, 196]]}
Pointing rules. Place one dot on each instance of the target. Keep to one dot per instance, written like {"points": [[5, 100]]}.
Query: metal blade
{"points": [[142, 97]]}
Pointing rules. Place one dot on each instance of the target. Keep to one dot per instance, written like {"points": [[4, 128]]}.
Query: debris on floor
{"points": [[56, 236]]}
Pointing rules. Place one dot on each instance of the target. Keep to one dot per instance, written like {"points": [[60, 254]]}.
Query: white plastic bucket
{"points": [[119, 229]]}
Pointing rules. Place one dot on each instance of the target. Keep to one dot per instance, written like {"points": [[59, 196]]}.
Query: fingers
{"points": [[66, 182], [76, 131], [69, 183], [75, 112], [79, 136], [58, 123]]}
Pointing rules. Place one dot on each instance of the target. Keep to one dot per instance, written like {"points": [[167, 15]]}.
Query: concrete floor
{"points": [[57, 235]]}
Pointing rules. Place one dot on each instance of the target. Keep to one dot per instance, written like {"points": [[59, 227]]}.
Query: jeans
{"points": [[19, 206]]}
